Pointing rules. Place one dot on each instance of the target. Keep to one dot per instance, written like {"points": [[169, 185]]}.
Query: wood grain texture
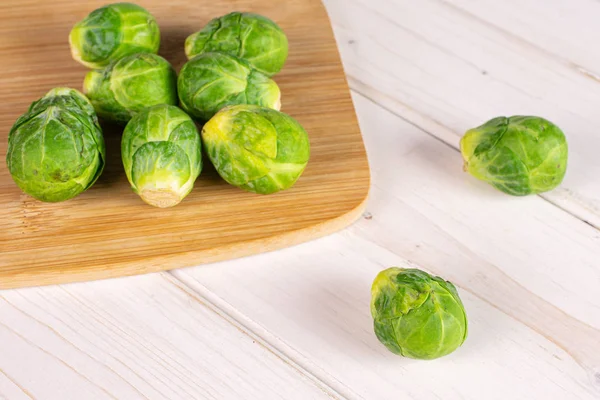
{"points": [[108, 231], [450, 65], [527, 272], [147, 337], [560, 29]]}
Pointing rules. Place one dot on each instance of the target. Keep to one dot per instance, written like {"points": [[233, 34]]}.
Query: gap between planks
{"points": [[65, 340], [433, 128], [330, 385], [526, 43], [321, 379], [546, 53], [565, 197], [438, 131], [213, 304]]}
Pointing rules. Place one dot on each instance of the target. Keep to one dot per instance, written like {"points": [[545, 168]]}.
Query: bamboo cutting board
{"points": [[108, 231]]}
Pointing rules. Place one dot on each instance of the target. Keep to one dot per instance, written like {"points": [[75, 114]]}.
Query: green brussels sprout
{"points": [[252, 37], [161, 153], [211, 81], [256, 148], [131, 84], [112, 32], [417, 315], [519, 155], [56, 149]]}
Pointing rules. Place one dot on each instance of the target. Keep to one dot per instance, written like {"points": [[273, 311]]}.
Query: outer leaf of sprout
{"points": [[112, 32], [249, 36], [131, 84], [256, 148], [518, 155], [161, 154], [56, 149], [417, 315], [212, 81]]}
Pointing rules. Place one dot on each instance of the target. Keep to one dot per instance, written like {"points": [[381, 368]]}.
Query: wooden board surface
{"points": [[527, 269], [108, 231]]}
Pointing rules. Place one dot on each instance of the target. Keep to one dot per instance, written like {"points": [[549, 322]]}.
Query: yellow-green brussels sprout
{"points": [[252, 37], [256, 148], [131, 84], [519, 155], [211, 81], [161, 154], [56, 149], [417, 315], [112, 32]]}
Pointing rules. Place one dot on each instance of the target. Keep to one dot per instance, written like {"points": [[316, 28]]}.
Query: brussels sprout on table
{"points": [[252, 37], [519, 155], [56, 149], [211, 81], [112, 32], [65, 97], [256, 148], [131, 84], [161, 153], [417, 315]]}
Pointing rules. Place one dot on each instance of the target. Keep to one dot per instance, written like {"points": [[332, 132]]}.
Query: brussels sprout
{"points": [[256, 148], [56, 149], [252, 37], [161, 154], [519, 155], [112, 32], [211, 81], [417, 315], [131, 84], [66, 97]]}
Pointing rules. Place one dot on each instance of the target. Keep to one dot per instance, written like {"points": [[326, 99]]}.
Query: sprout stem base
{"points": [[161, 198]]}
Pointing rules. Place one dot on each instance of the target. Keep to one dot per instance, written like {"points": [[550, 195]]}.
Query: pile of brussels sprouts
{"points": [[56, 149]]}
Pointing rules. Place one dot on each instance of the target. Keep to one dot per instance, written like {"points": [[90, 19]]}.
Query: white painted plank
{"points": [[9, 389], [564, 29], [146, 337], [446, 71], [528, 273]]}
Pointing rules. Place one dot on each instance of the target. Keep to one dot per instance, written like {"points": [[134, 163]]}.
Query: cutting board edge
{"points": [[324, 50], [37, 278]]}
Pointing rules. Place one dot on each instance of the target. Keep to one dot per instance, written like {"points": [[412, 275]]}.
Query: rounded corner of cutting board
{"points": [[50, 276], [284, 240], [36, 263]]}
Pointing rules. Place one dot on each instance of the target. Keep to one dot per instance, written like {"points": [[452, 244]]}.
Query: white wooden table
{"points": [[295, 324]]}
